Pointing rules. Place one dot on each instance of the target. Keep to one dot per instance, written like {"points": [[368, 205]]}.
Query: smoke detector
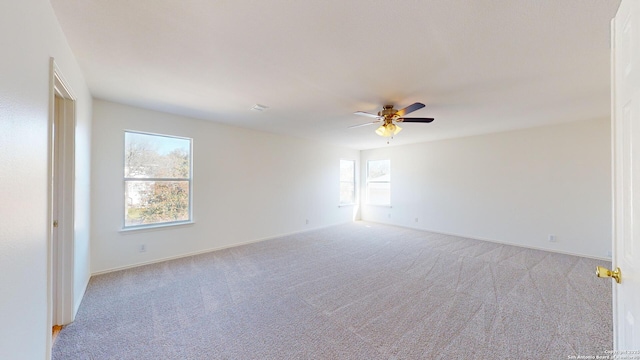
{"points": [[258, 107]]}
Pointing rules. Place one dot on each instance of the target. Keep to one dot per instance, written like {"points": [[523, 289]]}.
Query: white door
{"points": [[626, 174]]}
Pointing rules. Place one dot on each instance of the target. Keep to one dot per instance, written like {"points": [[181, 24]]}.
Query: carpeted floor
{"points": [[354, 291]]}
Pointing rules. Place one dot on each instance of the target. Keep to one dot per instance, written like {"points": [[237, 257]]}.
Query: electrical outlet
{"points": [[553, 238], [307, 221], [143, 248], [416, 219]]}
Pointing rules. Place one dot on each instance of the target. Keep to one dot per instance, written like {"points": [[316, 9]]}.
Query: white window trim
{"points": [[156, 226], [159, 226]]}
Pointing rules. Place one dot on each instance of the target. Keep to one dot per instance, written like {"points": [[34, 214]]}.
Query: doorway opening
{"points": [[61, 201]]}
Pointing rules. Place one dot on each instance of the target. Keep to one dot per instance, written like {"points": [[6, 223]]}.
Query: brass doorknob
{"points": [[603, 272]]}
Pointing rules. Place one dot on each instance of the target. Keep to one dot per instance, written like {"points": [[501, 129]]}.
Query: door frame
{"points": [[614, 178], [61, 188]]}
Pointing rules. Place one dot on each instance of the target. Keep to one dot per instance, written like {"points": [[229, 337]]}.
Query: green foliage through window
{"points": [[157, 176]]}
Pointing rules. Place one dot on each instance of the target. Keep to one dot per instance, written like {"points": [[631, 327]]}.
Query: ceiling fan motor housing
{"points": [[387, 111]]}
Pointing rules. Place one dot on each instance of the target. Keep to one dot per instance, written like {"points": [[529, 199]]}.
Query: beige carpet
{"points": [[354, 291]]}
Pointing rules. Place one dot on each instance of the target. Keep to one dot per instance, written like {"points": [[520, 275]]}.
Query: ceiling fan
{"points": [[390, 117]]}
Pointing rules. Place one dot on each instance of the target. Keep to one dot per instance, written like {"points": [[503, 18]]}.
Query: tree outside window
{"points": [[157, 179]]}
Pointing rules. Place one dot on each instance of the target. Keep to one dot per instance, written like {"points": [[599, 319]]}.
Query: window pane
{"points": [[378, 182], [347, 170], [347, 181], [378, 170], [153, 202], [347, 193], [156, 156], [379, 193]]}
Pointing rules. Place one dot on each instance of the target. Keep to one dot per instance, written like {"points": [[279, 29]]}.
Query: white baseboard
{"points": [[328, 226], [494, 241], [211, 250]]}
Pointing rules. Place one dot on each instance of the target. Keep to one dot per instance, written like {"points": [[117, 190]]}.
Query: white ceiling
{"points": [[479, 65]]}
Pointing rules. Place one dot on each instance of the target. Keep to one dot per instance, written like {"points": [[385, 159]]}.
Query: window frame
{"points": [[368, 181], [189, 180], [353, 183]]}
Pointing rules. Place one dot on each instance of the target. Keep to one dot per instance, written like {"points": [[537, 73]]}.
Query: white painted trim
{"points": [[64, 260], [213, 249], [324, 227], [49, 294], [162, 226], [614, 180], [492, 241], [189, 179], [61, 85]]}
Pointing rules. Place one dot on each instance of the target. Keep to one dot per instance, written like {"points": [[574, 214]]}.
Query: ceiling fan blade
{"points": [[416, 120], [365, 124], [409, 109], [362, 113]]}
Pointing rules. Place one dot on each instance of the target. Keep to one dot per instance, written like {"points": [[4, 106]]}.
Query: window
{"points": [[347, 181], [379, 182], [157, 179]]}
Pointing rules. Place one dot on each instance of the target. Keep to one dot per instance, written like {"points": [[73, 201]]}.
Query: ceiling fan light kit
{"points": [[388, 130], [390, 118]]}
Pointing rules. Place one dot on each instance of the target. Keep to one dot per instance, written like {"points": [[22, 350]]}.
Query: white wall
{"points": [[82, 198], [247, 186], [514, 187], [29, 36]]}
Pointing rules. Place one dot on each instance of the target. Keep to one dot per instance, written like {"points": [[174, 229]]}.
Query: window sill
{"points": [[131, 230], [346, 205]]}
